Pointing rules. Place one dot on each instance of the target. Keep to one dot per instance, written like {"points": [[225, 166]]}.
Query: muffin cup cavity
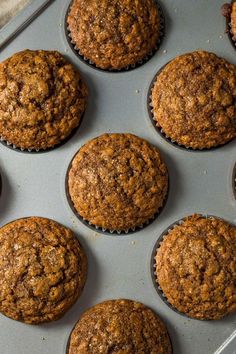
{"points": [[157, 245], [159, 129], [105, 231], [87, 61]]}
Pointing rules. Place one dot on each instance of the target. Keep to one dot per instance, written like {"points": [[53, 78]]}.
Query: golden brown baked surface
{"points": [[119, 327], [196, 267], [233, 20], [42, 99], [194, 100], [114, 34], [42, 270], [117, 181]]}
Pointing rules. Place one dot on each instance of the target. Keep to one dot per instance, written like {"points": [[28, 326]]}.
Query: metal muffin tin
{"points": [[34, 184]]}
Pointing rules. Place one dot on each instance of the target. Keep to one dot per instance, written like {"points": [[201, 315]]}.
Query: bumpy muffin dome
{"points": [[42, 99], [42, 270], [119, 326], [117, 181], [196, 267], [194, 100], [114, 34]]}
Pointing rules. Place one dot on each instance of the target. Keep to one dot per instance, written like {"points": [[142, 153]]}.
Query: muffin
{"points": [[229, 11], [119, 326], [194, 100], [42, 270], [42, 99], [114, 34], [196, 267], [117, 182]]}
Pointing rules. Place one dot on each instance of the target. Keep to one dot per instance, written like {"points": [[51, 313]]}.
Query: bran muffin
{"points": [[114, 34], [42, 99], [117, 182], [194, 100], [42, 270], [196, 267], [229, 11], [117, 327]]}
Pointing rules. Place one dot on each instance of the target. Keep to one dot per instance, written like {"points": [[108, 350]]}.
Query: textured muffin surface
{"points": [[117, 181], [196, 267], [42, 99], [114, 34], [233, 20], [194, 100], [119, 327], [42, 270]]}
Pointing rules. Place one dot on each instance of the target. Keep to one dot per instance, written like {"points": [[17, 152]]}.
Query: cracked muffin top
{"points": [[42, 99], [119, 327], [114, 34], [194, 100], [117, 181], [196, 267], [42, 270]]}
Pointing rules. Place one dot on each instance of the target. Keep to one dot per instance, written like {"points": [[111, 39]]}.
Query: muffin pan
{"points": [[201, 182]]}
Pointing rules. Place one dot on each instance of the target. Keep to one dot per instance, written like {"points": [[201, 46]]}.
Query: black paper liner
{"points": [[103, 230], [159, 129], [234, 181], [40, 151], [153, 265], [128, 68]]}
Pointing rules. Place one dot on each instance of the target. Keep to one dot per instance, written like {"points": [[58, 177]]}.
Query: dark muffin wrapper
{"points": [[87, 61], [106, 231], [234, 181], [157, 245], [40, 151], [159, 129]]}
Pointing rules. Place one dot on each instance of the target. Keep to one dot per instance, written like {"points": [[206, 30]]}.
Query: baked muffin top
{"points": [[42, 270], [196, 267], [119, 326], [233, 20], [194, 100], [42, 99], [117, 181], [114, 34]]}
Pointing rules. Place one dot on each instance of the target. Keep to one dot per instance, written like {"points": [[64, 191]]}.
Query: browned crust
{"points": [[196, 267], [194, 100], [233, 20], [119, 326], [117, 181], [114, 34], [42, 270], [42, 99]]}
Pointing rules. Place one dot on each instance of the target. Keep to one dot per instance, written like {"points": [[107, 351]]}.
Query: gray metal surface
{"points": [[119, 266]]}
